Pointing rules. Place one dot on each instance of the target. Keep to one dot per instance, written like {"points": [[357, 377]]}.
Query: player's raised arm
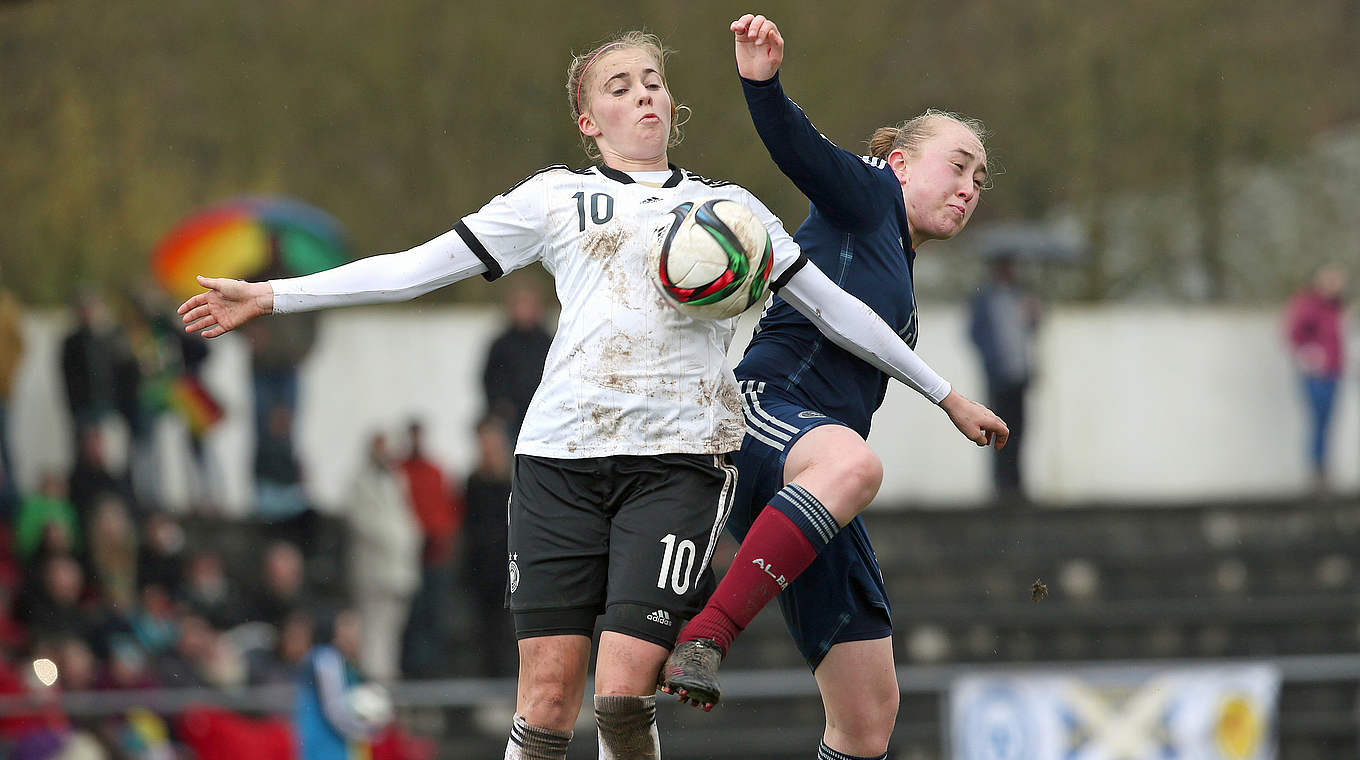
{"points": [[853, 326], [838, 182]]}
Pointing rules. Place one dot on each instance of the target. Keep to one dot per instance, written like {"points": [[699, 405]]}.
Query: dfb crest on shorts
{"points": [[514, 573]]}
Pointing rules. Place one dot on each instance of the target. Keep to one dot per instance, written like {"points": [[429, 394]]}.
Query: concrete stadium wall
{"points": [[1133, 404]]}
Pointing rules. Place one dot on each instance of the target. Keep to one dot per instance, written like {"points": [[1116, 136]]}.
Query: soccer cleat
{"points": [[691, 673]]}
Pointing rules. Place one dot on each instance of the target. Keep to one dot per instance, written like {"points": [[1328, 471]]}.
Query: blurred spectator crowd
{"points": [[103, 589]]}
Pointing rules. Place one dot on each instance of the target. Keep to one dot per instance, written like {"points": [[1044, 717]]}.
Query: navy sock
{"points": [[807, 513]]}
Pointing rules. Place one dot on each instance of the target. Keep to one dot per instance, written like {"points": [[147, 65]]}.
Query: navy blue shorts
{"points": [[840, 596]]}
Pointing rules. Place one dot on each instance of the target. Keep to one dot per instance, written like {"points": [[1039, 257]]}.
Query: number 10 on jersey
{"points": [[677, 564], [601, 209]]}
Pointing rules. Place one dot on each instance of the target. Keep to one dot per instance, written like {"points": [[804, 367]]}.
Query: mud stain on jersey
{"points": [[724, 400], [624, 273], [725, 439], [607, 421], [658, 303], [617, 351], [730, 398], [716, 392], [622, 365], [603, 245], [630, 280], [639, 386]]}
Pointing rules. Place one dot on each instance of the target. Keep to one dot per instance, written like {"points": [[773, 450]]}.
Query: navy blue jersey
{"points": [[856, 232]]}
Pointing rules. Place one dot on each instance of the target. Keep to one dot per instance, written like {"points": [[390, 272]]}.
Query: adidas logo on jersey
{"points": [[652, 199], [660, 616], [769, 570]]}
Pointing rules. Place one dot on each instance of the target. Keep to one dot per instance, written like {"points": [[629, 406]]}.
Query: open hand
{"points": [[227, 305], [760, 49]]}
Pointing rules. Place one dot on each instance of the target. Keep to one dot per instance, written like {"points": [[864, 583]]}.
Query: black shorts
{"points": [[629, 537]]}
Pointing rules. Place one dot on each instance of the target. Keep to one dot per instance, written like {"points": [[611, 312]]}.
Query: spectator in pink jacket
{"points": [[1315, 328]]}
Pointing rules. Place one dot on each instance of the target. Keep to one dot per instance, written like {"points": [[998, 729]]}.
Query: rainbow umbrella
{"points": [[248, 239]]}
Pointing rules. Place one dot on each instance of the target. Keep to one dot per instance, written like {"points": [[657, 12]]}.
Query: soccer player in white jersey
{"points": [[622, 481]]}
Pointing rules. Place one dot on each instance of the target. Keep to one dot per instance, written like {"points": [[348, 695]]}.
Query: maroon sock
{"points": [[773, 553]]}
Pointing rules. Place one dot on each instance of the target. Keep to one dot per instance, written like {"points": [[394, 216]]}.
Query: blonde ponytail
{"points": [[912, 133], [881, 144]]}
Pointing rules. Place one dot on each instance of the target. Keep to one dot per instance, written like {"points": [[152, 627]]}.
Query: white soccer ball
{"points": [[712, 260], [371, 704]]}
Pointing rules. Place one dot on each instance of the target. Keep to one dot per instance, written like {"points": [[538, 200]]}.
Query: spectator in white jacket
{"points": [[384, 555]]}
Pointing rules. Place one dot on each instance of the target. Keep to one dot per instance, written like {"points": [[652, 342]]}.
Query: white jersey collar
{"points": [[628, 178]]}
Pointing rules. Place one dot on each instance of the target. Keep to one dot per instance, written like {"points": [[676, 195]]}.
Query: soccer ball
{"points": [[712, 260], [371, 704]]}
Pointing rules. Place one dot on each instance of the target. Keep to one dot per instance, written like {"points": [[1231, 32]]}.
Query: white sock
{"points": [[533, 743], [627, 728], [826, 753]]}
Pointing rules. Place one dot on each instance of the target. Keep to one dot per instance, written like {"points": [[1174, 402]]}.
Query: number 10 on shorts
{"points": [[677, 564]]}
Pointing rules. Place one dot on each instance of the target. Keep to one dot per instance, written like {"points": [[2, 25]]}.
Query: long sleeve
{"points": [[842, 186], [382, 279], [330, 683], [853, 326]]}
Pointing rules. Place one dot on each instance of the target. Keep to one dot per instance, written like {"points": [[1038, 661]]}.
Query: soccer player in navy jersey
{"points": [[621, 472], [806, 471]]}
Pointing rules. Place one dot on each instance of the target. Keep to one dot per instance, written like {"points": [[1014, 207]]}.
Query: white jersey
{"points": [[627, 373]]}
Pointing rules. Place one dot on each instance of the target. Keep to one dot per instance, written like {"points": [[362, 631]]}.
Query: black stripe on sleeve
{"points": [[788, 274], [493, 267]]}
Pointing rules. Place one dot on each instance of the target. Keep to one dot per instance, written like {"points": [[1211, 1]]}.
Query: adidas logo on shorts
{"points": [[660, 616]]}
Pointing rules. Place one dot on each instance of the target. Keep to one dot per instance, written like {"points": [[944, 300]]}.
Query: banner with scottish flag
{"points": [[1118, 713]]}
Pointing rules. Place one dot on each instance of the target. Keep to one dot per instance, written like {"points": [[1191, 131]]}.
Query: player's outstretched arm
{"points": [[852, 325], [391, 277], [227, 305]]}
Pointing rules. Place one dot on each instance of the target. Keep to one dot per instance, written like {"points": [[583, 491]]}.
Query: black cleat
{"points": [[691, 673]]}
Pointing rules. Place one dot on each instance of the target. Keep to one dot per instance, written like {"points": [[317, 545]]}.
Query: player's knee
{"points": [[546, 681], [888, 711], [860, 473], [552, 675], [870, 722], [550, 701]]}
